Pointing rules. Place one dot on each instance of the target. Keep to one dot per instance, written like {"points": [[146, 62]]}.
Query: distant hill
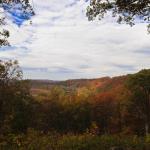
{"points": [[100, 84], [47, 84]]}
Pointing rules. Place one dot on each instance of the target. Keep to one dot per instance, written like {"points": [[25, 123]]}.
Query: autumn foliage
{"points": [[97, 107]]}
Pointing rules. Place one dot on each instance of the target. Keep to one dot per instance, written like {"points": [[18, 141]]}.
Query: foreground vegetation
{"points": [[34, 140], [107, 113]]}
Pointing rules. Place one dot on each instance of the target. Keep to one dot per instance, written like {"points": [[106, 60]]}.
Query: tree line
{"points": [[121, 110]]}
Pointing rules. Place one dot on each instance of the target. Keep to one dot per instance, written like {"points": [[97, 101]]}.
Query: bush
{"points": [[35, 140]]}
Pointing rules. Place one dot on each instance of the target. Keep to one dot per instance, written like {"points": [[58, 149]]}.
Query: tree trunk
{"points": [[146, 128], [147, 121]]}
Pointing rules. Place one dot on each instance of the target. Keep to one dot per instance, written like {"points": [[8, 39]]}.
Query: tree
{"points": [[126, 11], [4, 34], [15, 99], [103, 111], [139, 91]]}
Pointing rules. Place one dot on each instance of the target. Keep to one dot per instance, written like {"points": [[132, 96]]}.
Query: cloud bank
{"points": [[61, 43]]}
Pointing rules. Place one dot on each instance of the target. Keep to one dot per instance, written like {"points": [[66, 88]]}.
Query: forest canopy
{"points": [[48, 114], [109, 113], [109, 107]]}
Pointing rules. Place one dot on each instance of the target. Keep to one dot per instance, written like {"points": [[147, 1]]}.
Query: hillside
{"points": [[99, 84], [78, 112]]}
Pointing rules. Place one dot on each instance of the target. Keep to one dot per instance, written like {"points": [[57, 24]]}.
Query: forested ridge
{"points": [[96, 110], [109, 113]]}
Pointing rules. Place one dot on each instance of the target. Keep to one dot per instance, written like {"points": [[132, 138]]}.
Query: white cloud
{"points": [[63, 41]]}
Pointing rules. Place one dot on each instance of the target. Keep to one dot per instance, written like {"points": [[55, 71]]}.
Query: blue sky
{"points": [[62, 44]]}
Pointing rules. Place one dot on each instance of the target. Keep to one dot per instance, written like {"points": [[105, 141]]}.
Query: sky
{"points": [[59, 43]]}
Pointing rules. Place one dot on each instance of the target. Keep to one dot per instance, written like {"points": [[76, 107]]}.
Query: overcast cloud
{"points": [[61, 43]]}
